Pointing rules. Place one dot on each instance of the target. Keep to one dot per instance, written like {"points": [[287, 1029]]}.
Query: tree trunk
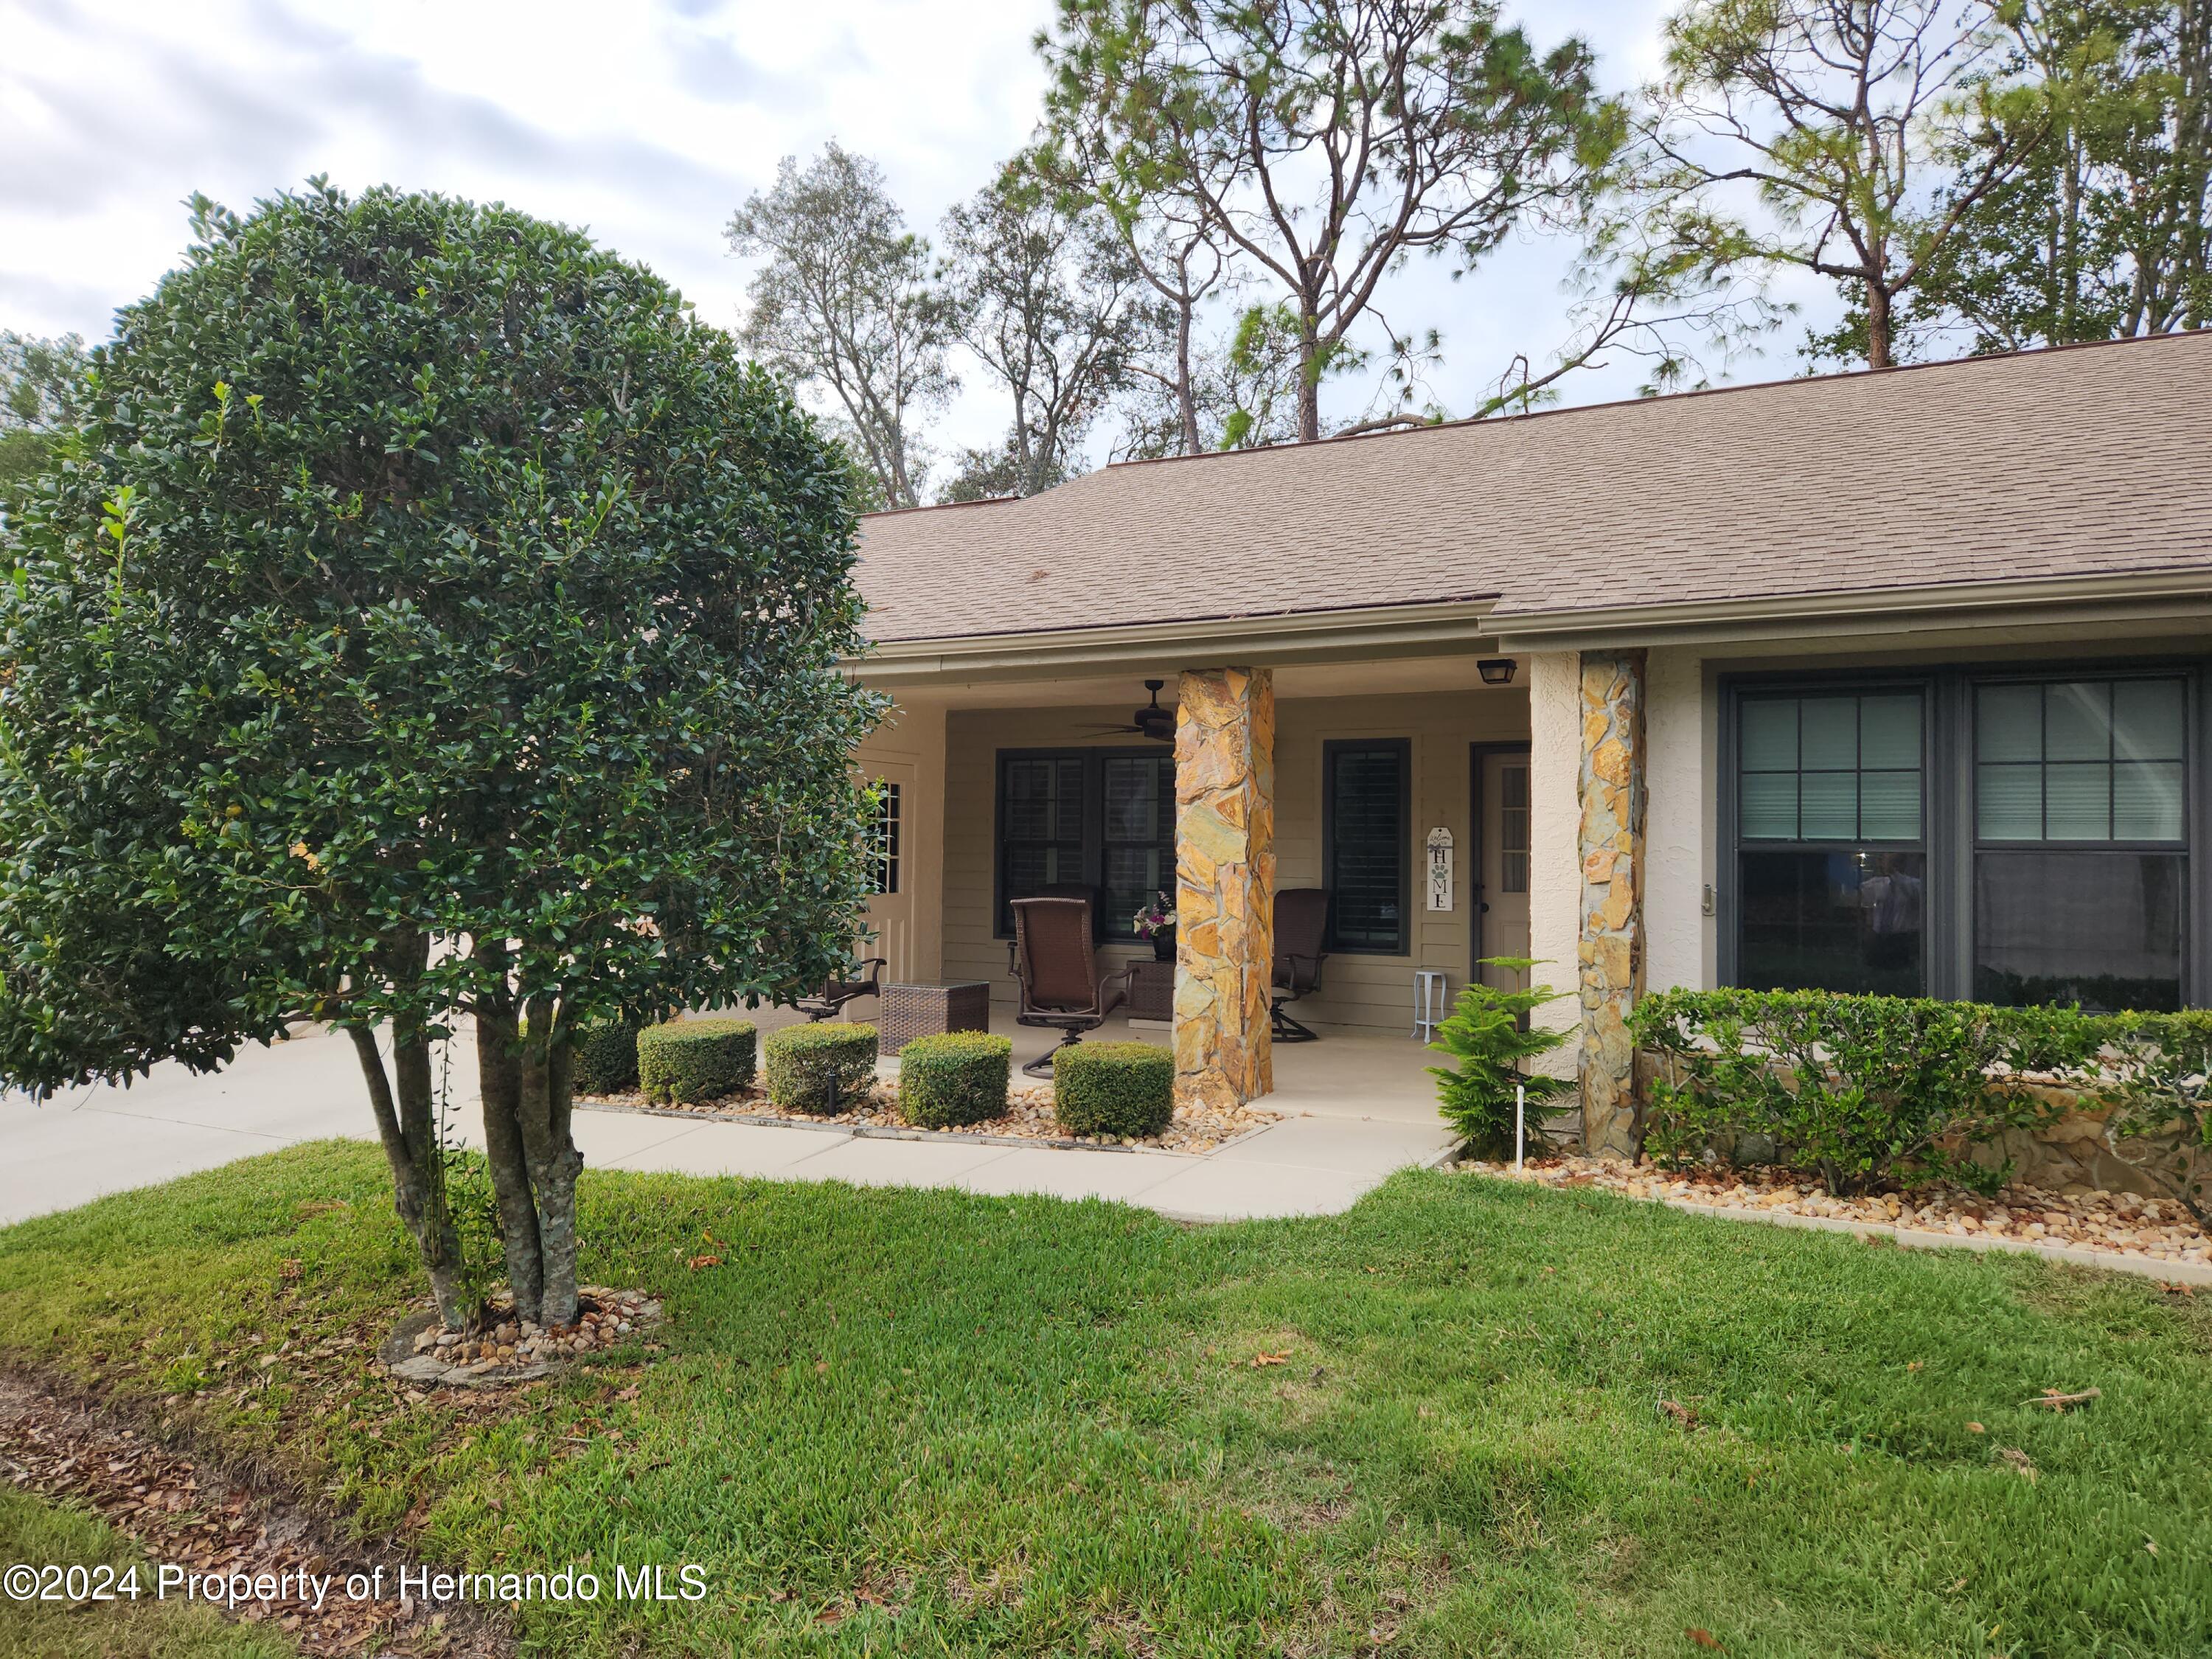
{"points": [[1186, 394], [1878, 325], [499, 1074], [528, 1094], [406, 1123], [1309, 376]]}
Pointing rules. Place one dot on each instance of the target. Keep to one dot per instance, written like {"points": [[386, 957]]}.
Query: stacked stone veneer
{"points": [[1225, 884], [1610, 952]]}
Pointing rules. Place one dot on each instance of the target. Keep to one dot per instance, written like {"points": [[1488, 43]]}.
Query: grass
{"points": [[901, 1422], [125, 1628]]}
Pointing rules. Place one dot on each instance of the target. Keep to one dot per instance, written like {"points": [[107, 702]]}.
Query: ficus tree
{"points": [[1327, 142], [430, 621]]}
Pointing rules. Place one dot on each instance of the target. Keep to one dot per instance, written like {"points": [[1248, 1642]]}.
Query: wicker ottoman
{"points": [[1151, 991], [911, 1011]]}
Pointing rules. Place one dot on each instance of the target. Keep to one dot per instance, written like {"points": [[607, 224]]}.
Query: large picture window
{"points": [[1832, 870], [1097, 822], [2080, 871], [2016, 838], [1366, 844]]}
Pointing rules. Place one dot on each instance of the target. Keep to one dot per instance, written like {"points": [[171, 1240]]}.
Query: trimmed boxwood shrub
{"points": [[1120, 1089], [688, 1061], [954, 1078], [604, 1057], [822, 1068]]}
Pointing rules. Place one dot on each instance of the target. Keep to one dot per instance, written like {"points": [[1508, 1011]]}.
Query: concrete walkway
{"points": [[93, 1141]]}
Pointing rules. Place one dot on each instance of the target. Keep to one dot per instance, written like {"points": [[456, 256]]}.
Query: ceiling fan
{"points": [[1151, 721]]}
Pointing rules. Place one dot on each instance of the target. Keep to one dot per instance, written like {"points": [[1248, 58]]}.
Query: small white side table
{"points": [[1431, 1001]]}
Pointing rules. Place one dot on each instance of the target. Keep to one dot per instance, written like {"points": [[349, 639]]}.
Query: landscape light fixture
{"points": [[1495, 670]]}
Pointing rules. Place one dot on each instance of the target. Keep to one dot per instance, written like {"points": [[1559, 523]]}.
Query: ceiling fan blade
{"points": [[1103, 729]]}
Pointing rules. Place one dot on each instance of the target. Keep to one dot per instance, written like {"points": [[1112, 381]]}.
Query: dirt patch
{"points": [[1029, 1117], [190, 1514]]}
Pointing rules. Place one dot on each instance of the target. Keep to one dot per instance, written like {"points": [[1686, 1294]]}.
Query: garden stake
{"points": [[1520, 1123]]}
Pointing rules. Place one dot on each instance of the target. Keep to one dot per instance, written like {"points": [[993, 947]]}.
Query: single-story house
{"points": [[1881, 682]]}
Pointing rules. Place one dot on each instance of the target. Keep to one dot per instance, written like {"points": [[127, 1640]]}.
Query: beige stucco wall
{"points": [[1681, 739], [1375, 991]]}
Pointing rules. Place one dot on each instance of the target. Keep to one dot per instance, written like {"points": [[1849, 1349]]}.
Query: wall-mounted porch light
{"points": [[1495, 670]]}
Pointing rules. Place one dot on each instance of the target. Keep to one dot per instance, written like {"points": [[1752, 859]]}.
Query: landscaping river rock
{"points": [[508, 1350]]}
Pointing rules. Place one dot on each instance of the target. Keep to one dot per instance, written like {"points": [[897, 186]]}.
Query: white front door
{"points": [[890, 912], [1502, 901]]}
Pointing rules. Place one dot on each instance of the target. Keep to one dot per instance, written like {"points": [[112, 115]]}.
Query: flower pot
{"points": [[1163, 944]]}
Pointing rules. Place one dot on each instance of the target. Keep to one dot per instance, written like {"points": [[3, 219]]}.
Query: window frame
{"points": [[1092, 858], [1331, 750], [1950, 840]]}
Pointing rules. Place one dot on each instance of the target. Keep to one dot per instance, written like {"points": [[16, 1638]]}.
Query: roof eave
{"points": [[1318, 636], [2175, 595]]}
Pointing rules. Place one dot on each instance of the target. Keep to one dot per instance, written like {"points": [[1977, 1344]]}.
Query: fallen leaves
{"points": [[1260, 1359], [1683, 1414], [1976, 1428], [2057, 1399], [1703, 1638], [697, 1263], [2019, 1460]]}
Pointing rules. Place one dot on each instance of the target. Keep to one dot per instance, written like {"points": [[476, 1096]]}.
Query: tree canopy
{"points": [[430, 617]]}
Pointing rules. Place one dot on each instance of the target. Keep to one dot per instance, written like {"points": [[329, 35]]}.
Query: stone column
{"points": [[1225, 884], [1610, 952]]}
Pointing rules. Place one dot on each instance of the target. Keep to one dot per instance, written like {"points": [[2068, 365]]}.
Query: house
{"points": [[1885, 682]]}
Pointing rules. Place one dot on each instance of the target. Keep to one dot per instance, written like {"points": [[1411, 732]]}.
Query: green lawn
{"points": [[32, 1531], [898, 1422]]}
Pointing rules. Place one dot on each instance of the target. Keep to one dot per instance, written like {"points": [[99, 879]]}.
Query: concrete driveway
{"points": [[88, 1142]]}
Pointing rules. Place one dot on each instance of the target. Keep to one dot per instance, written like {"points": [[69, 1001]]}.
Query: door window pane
{"points": [[1833, 921], [1513, 829], [2102, 929]]}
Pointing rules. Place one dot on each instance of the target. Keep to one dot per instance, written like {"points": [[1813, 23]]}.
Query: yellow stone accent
{"points": [[1224, 883], [1610, 952]]}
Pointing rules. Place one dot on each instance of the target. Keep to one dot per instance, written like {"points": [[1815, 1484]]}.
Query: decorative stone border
{"points": [[403, 1355], [888, 1132]]}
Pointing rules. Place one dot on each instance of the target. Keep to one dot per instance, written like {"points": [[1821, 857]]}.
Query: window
{"points": [[885, 839], [1137, 859], [2014, 837], [1098, 821], [1513, 829], [1831, 872], [1366, 812], [2080, 878]]}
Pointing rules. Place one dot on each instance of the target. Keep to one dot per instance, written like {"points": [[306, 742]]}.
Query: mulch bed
{"points": [[1029, 1117], [2123, 1224], [183, 1510]]}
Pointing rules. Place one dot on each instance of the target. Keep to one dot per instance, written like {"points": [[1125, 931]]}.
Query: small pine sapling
{"points": [[1491, 1035]]}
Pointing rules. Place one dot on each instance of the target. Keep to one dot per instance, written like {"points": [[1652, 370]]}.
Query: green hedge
{"points": [[822, 1068], [688, 1061], [954, 1078], [604, 1057], [1120, 1089], [1868, 1092]]}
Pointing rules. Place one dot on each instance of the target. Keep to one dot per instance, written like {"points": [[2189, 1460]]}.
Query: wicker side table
{"points": [[1151, 991], [911, 1011]]}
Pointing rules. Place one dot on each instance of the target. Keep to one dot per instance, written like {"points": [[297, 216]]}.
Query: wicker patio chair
{"points": [[866, 981]]}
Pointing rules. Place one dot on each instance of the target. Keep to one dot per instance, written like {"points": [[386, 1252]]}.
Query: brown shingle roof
{"points": [[2084, 461]]}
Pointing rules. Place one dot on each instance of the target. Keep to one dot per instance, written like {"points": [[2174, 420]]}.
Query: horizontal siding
{"points": [[1374, 991]]}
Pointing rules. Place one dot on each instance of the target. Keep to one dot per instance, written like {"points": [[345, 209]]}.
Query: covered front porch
{"points": [[1404, 785]]}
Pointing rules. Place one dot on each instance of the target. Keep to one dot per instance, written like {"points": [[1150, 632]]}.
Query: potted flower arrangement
{"points": [[1157, 922]]}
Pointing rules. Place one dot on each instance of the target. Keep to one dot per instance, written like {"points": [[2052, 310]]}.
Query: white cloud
{"points": [[648, 124]]}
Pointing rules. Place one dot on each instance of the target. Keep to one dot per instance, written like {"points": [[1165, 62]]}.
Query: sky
{"points": [[645, 121]]}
